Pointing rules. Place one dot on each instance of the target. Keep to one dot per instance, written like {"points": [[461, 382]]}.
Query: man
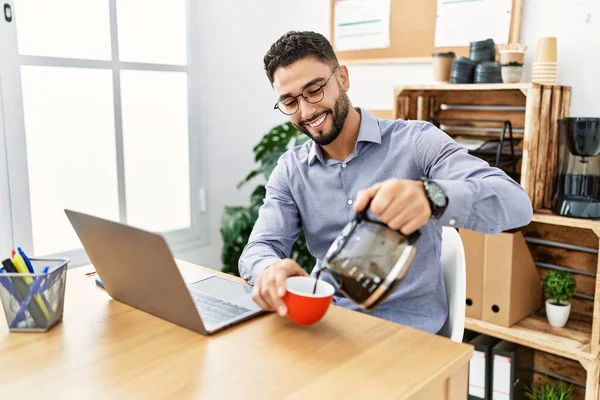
{"points": [[414, 175]]}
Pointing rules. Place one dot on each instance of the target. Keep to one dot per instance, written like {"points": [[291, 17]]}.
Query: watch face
{"points": [[437, 196]]}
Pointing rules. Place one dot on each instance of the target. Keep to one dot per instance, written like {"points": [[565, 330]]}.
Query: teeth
{"points": [[318, 121]]}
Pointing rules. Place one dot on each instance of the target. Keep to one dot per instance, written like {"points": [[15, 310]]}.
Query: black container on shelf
{"points": [[482, 51], [462, 70], [488, 72]]}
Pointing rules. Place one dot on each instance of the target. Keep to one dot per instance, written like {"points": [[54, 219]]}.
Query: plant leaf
{"points": [[237, 222]]}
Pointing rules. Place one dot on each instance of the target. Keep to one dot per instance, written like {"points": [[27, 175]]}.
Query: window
{"points": [[97, 99]]}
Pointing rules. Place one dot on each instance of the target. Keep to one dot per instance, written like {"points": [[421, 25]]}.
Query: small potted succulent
{"points": [[512, 58], [512, 71], [559, 288]]}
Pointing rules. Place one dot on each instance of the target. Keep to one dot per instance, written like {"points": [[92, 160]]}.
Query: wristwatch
{"points": [[438, 201]]}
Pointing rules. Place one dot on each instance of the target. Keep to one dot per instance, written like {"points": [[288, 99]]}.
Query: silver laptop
{"points": [[137, 268]]}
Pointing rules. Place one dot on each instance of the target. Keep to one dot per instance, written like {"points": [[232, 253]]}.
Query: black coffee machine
{"points": [[578, 181]]}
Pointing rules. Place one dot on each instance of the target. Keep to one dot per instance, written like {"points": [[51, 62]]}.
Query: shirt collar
{"points": [[367, 132]]}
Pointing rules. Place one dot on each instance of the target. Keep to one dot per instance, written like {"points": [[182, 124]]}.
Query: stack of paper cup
{"points": [[546, 62]]}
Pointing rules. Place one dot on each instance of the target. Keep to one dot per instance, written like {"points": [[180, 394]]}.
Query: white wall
{"points": [[237, 99]]}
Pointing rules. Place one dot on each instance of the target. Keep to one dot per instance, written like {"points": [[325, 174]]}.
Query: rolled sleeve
{"points": [[276, 229], [480, 197]]}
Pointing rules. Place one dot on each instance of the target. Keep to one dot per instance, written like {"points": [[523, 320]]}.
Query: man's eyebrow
{"points": [[314, 81]]}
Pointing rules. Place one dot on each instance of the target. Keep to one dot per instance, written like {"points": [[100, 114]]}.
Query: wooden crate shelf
{"points": [[530, 107], [532, 110], [548, 217], [572, 341]]}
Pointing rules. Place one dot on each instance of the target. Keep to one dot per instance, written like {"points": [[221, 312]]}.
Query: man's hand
{"points": [[401, 204], [269, 288]]}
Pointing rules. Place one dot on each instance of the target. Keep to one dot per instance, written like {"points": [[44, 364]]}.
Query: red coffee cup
{"points": [[304, 307]]}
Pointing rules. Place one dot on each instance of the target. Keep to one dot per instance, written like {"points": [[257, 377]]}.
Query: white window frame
{"points": [[15, 213]]}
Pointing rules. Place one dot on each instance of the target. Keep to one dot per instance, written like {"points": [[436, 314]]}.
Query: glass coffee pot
{"points": [[368, 260], [578, 181]]}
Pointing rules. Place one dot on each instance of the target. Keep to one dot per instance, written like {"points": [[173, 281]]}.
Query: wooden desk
{"points": [[104, 348]]}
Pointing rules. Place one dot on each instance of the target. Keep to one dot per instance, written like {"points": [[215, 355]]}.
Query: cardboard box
{"points": [[474, 245], [512, 288], [503, 285]]}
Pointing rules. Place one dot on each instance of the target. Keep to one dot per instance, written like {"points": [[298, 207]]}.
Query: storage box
{"points": [[512, 288], [474, 246], [503, 284]]}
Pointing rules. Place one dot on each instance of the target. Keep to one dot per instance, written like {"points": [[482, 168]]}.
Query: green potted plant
{"points": [[559, 288], [237, 221], [548, 391]]}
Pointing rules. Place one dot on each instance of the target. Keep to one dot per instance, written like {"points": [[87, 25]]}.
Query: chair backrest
{"points": [[455, 280]]}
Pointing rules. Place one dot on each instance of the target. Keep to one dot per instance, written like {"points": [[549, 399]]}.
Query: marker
{"points": [[26, 259], [7, 283], [22, 268]]}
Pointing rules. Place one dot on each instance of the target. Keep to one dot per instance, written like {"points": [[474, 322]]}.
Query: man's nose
{"points": [[307, 110]]}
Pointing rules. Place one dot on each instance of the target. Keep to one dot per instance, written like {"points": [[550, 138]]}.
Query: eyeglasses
{"points": [[312, 94]]}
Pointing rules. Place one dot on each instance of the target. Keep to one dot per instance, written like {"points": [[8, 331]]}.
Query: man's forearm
{"points": [[255, 258], [490, 205]]}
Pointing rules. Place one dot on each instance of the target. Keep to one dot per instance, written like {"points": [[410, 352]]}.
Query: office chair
{"points": [[455, 280]]}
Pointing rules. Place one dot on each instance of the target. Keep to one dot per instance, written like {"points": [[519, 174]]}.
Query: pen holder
{"points": [[34, 302]]}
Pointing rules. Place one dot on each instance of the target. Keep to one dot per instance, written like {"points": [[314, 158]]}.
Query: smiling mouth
{"points": [[317, 123]]}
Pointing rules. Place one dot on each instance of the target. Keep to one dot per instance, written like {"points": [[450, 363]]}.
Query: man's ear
{"points": [[344, 78]]}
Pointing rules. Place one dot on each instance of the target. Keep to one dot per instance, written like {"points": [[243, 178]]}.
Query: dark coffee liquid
{"points": [[578, 196], [317, 281], [356, 279]]}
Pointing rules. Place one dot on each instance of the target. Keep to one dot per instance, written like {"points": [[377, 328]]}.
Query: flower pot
{"points": [[557, 314], [511, 74], [512, 56]]}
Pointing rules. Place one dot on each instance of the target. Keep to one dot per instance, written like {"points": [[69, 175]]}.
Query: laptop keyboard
{"points": [[214, 311]]}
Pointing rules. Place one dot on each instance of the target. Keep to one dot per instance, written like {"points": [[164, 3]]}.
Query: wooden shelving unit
{"points": [[579, 340], [572, 341], [533, 109], [547, 217]]}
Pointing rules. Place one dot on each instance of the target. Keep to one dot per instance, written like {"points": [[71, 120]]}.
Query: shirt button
{"points": [[452, 221], [344, 165], [350, 202]]}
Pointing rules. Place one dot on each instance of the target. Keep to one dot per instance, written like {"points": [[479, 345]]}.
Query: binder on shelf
{"points": [[474, 245], [512, 288], [480, 366], [512, 371], [469, 335]]}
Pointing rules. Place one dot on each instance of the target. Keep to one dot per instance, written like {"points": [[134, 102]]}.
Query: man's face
{"points": [[323, 120]]}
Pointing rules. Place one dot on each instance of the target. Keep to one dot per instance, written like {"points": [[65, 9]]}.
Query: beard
{"points": [[338, 116]]}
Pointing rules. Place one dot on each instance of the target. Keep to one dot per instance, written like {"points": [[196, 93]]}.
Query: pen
{"points": [[26, 259], [99, 283]]}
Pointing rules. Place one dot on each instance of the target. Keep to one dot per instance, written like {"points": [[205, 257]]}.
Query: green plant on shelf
{"points": [[549, 391], [559, 286], [237, 221], [512, 64]]}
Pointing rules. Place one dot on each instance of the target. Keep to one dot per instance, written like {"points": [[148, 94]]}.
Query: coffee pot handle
{"points": [[411, 239]]}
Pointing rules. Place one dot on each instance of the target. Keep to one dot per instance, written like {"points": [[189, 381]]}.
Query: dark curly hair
{"points": [[294, 46]]}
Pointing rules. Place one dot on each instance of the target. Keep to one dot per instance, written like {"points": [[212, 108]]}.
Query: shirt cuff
{"points": [[460, 203], [260, 267]]}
